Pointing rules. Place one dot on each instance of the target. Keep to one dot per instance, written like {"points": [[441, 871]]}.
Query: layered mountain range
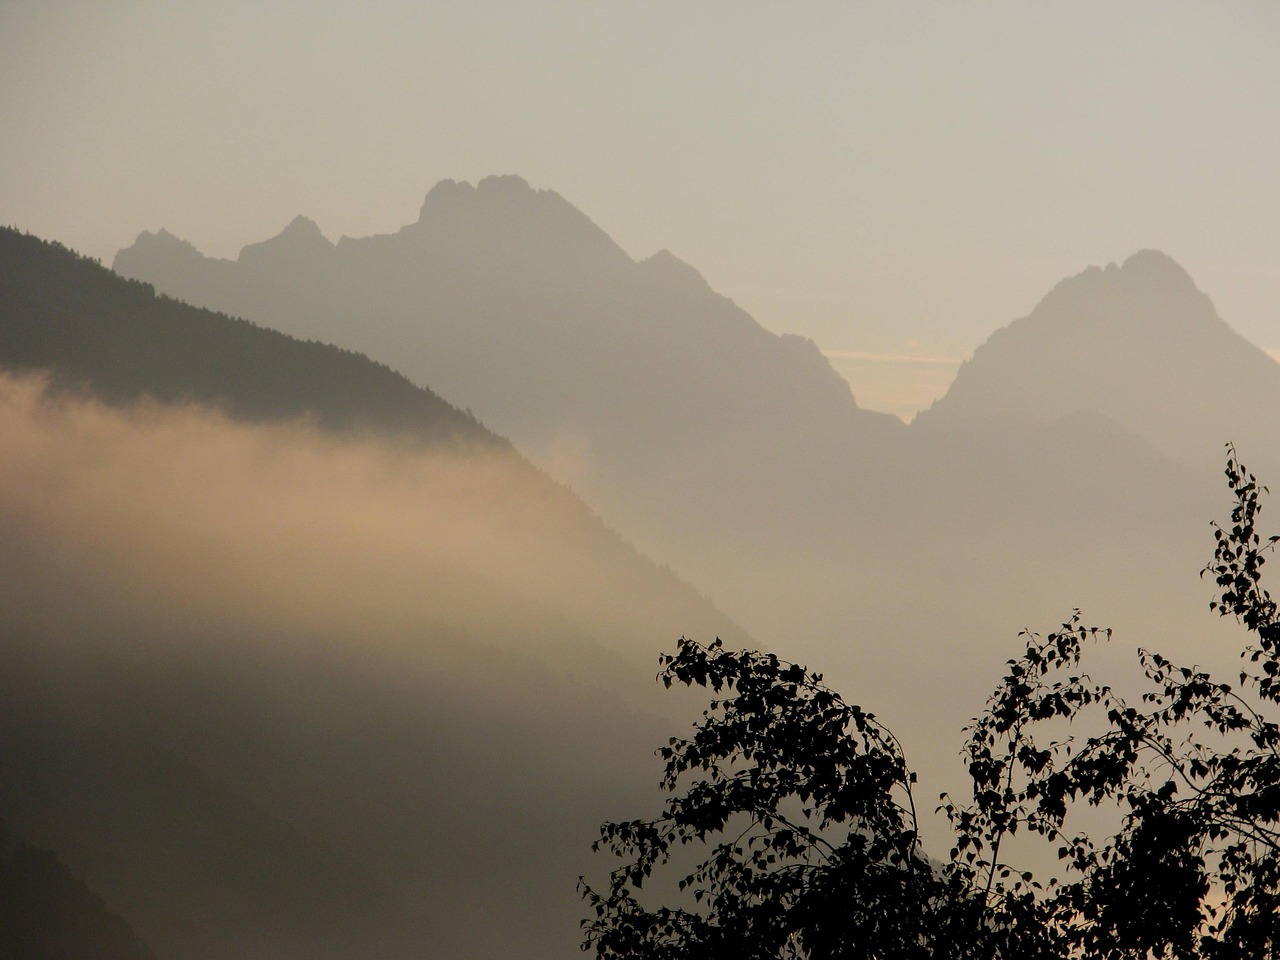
{"points": [[634, 382], [1073, 463], [514, 304], [738, 455], [292, 600]]}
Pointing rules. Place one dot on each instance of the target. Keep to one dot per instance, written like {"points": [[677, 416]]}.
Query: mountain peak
{"points": [[301, 239], [511, 184], [154, 249], [503, 192], [1139, 343], [445, 194], [301, 226], [450, 196], [666, 264], [504, 211], [1152, 259], [162, 239], [1154, 266], [1148, 295]]}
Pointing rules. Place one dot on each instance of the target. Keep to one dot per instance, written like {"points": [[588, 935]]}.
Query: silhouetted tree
{"points": [[803, 810]]}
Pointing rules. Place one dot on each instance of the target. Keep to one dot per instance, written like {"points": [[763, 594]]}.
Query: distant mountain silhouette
{"points": [[730, 450], [740, 455], [249, 777], [1136, 343], [633, 381]]}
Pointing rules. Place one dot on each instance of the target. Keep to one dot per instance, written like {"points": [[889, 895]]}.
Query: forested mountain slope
{"points": [[47, 911], [295, 657], [84, 324]]}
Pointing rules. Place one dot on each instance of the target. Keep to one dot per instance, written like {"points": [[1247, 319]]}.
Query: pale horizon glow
{"points": [[890, 357], [901, 384]]}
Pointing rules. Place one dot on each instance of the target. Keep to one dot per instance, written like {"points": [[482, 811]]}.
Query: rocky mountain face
{"points": [[1137, 343], [634, 382], [740, 455]]}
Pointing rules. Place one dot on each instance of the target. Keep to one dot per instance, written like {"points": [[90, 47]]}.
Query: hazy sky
{"points": [[889, 179]]}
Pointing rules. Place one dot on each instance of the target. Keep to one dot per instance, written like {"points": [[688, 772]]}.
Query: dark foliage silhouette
{"points": [[802, 805], [47, 913]]}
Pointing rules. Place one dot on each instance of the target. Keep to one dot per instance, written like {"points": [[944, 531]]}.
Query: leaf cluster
{"points": [[801, 808]]}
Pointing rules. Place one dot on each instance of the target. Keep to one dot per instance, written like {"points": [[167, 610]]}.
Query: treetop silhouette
{"points": [[803, 808]]}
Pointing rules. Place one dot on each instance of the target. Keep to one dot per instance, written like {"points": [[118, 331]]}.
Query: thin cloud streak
{"points": [[890, 357], [408, 617]]}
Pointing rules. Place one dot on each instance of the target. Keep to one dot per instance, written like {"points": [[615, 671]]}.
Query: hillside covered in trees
{"points": [[47, 913], [298, 659]]}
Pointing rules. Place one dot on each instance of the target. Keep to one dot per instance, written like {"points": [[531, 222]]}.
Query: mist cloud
{"points": [[431, 669]]}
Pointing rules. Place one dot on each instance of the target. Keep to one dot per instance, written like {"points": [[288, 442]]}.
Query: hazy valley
{"points": [[306, 661]]}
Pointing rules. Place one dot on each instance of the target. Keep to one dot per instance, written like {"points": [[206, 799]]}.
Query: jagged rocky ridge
{"points": [[632, 381], [737, 454], [834, 534]]}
